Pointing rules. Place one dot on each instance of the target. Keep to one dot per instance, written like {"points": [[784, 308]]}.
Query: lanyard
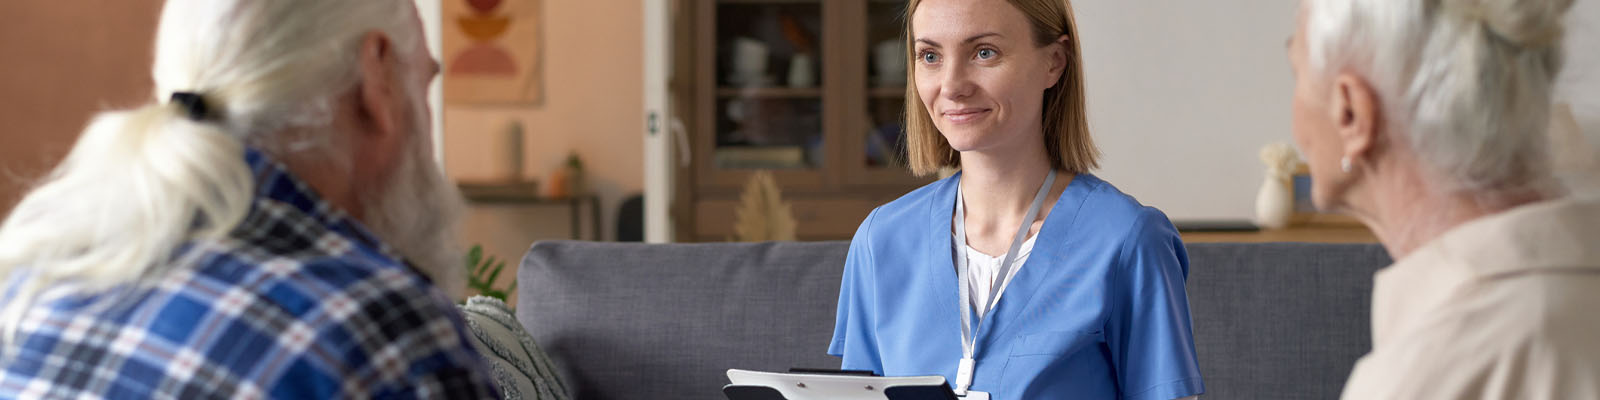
{"points": [[968, 330]]}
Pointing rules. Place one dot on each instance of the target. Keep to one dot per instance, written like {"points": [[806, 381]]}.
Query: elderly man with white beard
{"points": [[273, 226]]}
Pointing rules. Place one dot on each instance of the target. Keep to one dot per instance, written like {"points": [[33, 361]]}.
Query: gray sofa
{"points": [[636, 321]]}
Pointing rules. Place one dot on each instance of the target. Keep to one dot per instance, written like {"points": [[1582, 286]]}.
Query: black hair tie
{"points": [[193, 103]]}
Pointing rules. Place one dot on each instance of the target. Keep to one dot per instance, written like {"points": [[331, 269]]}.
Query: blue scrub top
{"points": [[1098, 311]]}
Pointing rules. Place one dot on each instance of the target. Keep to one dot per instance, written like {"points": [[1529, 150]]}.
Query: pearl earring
{"points": [[1344, 164]]}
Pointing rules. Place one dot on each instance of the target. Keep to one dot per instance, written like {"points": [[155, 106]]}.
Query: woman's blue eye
{"points": [[929, 57], [986, 54]]}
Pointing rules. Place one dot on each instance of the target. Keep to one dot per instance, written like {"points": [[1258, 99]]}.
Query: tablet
{"points": [[748, 385]]}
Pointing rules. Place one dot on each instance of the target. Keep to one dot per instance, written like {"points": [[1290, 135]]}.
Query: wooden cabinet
{"points": [[812, 90]]}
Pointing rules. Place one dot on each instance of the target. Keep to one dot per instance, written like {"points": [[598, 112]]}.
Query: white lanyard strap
{"points": [[968, 330]]}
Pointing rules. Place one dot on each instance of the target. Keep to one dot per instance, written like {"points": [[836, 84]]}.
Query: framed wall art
{"points": [[493, 52]]}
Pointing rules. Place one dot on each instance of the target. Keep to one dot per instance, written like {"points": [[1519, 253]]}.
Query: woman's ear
{"points": [[1059, 52], [1357, 116]]}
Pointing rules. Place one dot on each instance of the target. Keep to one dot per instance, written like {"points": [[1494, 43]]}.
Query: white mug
{"points": [[889, 59], [749, 61]]}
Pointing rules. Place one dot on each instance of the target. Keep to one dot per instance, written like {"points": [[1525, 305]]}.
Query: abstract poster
{"points": [[492, 52]]}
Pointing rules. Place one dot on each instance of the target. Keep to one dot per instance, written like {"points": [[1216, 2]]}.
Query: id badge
{"points": [[975, 395]]}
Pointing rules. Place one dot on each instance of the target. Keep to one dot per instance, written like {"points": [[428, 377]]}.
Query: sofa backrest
{"points": [[637, 321], [1280, 320]]}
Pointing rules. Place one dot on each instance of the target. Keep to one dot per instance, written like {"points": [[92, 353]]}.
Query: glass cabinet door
{"points": [[886, 85], [768, 101], [877, 141], [810, 89]]}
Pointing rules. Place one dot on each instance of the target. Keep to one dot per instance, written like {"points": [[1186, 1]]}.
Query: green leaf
{"points": [[473, 256], [495, 275], [482, 272]]}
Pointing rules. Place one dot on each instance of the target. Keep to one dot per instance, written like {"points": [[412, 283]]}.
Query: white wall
{"points": [[1581, 80], [1183, 95]]}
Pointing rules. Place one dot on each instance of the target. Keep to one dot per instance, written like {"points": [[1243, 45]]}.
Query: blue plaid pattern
{"points": [[298, 302]]}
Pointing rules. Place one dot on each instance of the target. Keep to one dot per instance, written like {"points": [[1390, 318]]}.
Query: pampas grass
{"points": [[762, 215]]}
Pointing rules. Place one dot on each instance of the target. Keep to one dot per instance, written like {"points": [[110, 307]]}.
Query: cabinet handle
{"points": [[680, 134]]}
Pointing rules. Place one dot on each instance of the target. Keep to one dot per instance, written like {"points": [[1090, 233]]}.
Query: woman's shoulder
{"points": [[907, 213], [913, 206], [1141, 239], [1107, 207]]}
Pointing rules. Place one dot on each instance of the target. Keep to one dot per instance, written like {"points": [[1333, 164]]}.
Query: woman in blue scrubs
{"points": [[1023, 276]]}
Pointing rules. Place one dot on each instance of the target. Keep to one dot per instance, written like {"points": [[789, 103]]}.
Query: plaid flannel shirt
{"points": [[298, 302]]}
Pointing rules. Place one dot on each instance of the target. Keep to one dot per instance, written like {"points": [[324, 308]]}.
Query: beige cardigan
{"points": [[1503, 307]]}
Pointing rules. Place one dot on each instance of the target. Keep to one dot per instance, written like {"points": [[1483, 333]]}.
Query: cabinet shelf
{"points": [[769, 1], [769, 92], [882, 92]]}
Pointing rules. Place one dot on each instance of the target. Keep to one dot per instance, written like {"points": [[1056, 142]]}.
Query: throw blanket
{"points": [[521, 369]]}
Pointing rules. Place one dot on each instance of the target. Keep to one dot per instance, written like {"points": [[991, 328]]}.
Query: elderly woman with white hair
{"points": [[1426, 119]]}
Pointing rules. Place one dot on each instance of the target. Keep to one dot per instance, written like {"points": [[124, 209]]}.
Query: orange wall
{"points": [[593, 105], [60, 62]]}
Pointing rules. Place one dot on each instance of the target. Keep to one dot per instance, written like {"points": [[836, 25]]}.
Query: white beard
{"points": [[417, 210]]}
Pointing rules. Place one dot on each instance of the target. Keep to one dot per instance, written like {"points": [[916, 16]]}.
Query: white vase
{"points": [[800, 75], [889, 61], [1275, 203], [511, 145]]}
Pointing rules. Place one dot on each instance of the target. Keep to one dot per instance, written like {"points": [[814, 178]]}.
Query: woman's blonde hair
{"points": [[1065, 119]]}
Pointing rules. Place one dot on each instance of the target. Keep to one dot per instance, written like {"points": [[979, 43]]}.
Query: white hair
{"points": [[139, 183], [417, 207], [1467, 83]]}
